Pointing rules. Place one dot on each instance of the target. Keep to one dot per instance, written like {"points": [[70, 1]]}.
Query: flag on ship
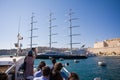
{"points": [[83, 46]]}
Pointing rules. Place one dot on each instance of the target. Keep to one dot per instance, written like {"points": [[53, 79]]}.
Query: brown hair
{"points": [[58, 66], [41, 64], [73, 76], [45, 71], [56, 75]]}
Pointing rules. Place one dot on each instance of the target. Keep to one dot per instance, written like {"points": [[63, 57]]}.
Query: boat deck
{"points": [[10, 66], [3, 68]]}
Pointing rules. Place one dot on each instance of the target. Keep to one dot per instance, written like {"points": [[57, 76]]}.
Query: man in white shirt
{"points": [[45, 74]]}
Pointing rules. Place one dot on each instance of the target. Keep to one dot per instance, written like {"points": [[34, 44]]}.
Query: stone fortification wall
{"points": [[105, 51], [108, 43], [106, 47], [99, 44]]}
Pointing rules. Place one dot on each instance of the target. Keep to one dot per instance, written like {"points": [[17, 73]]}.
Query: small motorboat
{"points": [[76, 61], [97, 78], [66, 64], [101, 63], [61, 59]]}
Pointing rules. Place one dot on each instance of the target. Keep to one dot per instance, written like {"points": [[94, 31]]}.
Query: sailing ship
{"points": [[55, 54]]}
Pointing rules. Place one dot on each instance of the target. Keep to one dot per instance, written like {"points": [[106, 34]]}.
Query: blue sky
{"points": [[98, 20]]}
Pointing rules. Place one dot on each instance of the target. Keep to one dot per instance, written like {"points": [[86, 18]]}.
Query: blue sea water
{"points": [[88, 69]]}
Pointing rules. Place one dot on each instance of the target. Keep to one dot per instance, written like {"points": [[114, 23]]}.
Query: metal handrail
{"points": [[66, 70], [8, 70]]}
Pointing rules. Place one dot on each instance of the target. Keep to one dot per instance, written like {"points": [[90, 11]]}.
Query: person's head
{"points": [[56, 75], [53, 61], [58, 66], [41, 64], [45, 71], [35, 50], [73, 76], [30, 53]]}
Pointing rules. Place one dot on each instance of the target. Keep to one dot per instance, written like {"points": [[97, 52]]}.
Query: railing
{"points": [[11, 72], [8, 70]]}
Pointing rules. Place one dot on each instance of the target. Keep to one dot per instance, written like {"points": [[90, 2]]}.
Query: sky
{"points": [[98, 20]]}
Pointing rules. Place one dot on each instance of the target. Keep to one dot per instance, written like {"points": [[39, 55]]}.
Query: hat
{"points": [[30, 53]]}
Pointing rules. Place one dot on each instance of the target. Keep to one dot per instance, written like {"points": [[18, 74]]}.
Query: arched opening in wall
{"points": [[100, 53], [113, 53]]}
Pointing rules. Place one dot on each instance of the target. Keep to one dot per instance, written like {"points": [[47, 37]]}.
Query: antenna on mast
{"points": [[19, 24], [32, 28], [50, 30], [19, 37], [71, 31]]}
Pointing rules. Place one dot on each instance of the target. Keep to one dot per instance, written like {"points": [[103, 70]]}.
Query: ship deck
{"points": [[3, 68]]}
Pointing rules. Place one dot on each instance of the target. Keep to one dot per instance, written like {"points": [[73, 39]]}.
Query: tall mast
{"points": [[71, 31], [50, 30], [70, 24], [31, 36]]}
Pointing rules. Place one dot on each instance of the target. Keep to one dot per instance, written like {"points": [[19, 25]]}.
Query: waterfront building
{"points": [[108, 43], [106, 47]]}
